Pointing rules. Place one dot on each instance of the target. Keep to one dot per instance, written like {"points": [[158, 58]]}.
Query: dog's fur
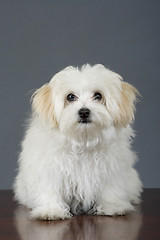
{"points": [[68, 166]]}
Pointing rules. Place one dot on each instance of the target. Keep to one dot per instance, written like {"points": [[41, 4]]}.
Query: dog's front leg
{"points": [[50, 208], [113, 203]]}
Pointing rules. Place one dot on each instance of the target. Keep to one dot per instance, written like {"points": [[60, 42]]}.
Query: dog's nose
{"points": [[84, 113]]}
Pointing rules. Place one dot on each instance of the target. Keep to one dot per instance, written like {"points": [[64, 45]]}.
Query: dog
{"points": [[76, 155]]}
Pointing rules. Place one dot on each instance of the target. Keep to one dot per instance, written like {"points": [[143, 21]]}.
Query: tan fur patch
{"points": [[42, 103], [127, 105]]}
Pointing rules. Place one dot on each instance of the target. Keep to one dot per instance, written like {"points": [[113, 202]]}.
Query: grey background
{"points": [[39, 38]]}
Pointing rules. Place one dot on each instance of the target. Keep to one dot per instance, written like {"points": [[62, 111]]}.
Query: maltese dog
{"points": [[76, 155]]}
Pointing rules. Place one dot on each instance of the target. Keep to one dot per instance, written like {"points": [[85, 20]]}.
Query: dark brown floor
{"points": [[144, 224]]}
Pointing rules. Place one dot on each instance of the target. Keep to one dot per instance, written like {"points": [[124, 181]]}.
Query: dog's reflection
{"points": [[78, 228]]}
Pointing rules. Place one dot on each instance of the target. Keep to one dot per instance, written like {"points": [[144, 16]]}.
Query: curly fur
{"points": [[67, 167]]}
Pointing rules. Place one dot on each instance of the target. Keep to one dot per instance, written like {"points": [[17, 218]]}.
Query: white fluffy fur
{"points": [[67, 167]]}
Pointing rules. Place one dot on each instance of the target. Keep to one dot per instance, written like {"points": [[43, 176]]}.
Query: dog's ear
{"points": [[126, 105], [42, 103]]}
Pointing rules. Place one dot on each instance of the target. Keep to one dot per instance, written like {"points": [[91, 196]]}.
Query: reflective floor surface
{"points": [[144, 223]]}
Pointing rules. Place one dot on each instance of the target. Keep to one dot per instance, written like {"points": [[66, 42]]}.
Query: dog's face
{"points": [[87, 99]]}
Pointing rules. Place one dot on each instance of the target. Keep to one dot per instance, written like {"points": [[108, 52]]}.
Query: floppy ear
{"points": [[42, 103], [126, 105]]}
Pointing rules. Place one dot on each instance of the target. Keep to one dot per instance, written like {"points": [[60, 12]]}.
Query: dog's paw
{"points": [[112, 209], [49, 214]]}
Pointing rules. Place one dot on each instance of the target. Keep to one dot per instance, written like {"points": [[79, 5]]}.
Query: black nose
{"points": [[84, 113]]}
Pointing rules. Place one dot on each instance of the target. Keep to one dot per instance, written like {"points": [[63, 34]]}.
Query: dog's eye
{"points": [[71, 97], [97, 96]]}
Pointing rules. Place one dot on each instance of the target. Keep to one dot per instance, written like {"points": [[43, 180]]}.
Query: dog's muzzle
{"points": [[84, 114]]}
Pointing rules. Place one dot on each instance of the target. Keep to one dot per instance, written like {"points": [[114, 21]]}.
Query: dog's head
{"points": [[92, 97]]}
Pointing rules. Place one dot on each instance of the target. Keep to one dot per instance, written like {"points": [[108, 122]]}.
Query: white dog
{"points": [[76, 155]]}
